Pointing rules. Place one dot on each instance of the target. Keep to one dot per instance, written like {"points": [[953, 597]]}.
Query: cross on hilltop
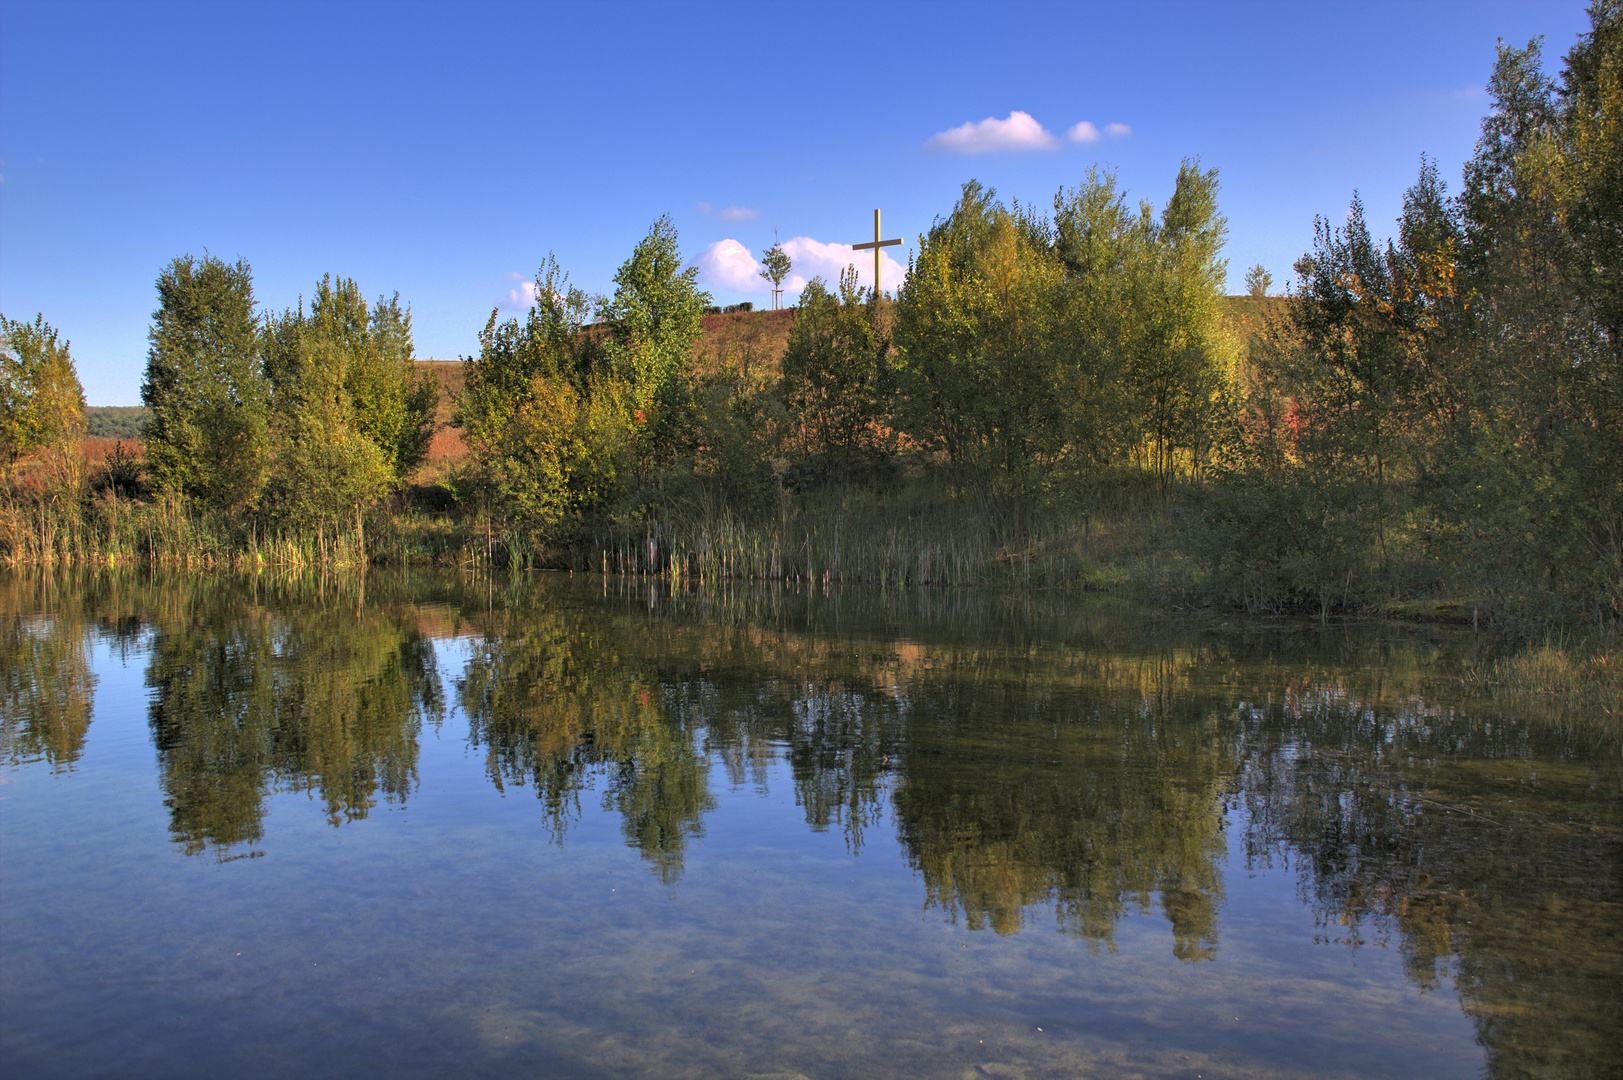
{"points": [[876, 245]]}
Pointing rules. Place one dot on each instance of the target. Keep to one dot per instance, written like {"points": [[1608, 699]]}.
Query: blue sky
{"points": [[444, 150]]}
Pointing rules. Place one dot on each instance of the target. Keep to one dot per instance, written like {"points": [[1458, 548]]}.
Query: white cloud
{"points": [[727, 264], [813, 258], [704, 208], [1020, 131], [521, 298], [1083, 132], [1116, 131]]}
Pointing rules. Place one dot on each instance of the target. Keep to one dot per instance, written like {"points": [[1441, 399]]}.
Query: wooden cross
{"points": [[876, 245]]}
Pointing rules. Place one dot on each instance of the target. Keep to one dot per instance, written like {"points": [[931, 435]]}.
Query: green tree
{"points": [[1354, 389], [653, 319], [326, 473], [834, 374], [775, 266], [207, 435], [1101, 245], [1541, 445], [1175, 358], [1258, 281], [391, 406], [406, 426], [41, 401], [546, 421], [975, 332]]}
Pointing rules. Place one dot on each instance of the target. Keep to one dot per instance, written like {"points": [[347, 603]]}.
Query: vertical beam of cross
{"points": [[876, 245]]}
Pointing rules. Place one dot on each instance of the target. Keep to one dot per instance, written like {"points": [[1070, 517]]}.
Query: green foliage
{"points": [[775, 266], [548, 420], [736, 455], [41, 401], [350, 419], [560, 416], [653, 320], [1297, 539], [326, 471], [1174, 352], [981, 378], [1444, 411], [1258, 281], [208, 435], [390, 406], [115, 421], [1027, 343], [393, 407], [1101, 247], [834, 376]]}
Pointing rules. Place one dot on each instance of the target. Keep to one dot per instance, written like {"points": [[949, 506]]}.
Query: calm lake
{"points": [[427, 825]]}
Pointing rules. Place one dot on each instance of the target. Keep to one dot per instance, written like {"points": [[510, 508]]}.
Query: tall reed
{"points": [[922, 534]]}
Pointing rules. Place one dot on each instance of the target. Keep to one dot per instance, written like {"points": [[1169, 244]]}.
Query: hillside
{"points": [[749, 342], [1246, 316]]}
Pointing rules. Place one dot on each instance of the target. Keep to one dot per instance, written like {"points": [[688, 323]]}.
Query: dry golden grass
{"points": [[450, 376], [1579, 678], [98, 450], [446, 450], [750, 343]]}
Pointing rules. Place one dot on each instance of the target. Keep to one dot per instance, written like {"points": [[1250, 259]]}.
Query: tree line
{"points": [[306, 418], [1447, 406]]}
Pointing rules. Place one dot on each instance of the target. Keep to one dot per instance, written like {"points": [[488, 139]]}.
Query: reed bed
{"points": [[919, 536], [1577, 677], [168, 531]]}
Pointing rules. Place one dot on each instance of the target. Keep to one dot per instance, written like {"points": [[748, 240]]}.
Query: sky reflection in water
{"points": [[420, 824]]}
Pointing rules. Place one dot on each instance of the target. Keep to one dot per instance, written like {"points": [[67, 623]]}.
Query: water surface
{"points": [[421, 825]]}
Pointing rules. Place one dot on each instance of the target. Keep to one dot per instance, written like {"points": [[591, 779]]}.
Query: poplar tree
{"points": [[1175, 359], [654, 318], [404, 426], [981, 371], [390, 405], [207, 434], [326, 471], [655, 314]]}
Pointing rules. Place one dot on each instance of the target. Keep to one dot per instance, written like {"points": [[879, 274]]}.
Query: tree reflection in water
{"points": [[556, 701], [313, 691], [46, 687], [1092, 772], [1039, 767]]}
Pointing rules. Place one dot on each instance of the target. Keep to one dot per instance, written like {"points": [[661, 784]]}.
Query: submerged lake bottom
{"points": [[417, 824]]}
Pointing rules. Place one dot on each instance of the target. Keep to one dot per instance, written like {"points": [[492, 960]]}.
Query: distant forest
{"points": [[115, 421]]}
